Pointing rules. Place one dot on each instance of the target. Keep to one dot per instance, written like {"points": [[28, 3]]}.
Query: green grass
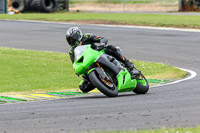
{"points": [[25, 70], [162, 71], [34, 71], [133, 19], [163, 130]]}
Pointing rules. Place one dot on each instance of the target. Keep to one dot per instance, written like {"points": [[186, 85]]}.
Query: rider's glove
{"points": [[100, 46], [119, 49], [103, 44]]}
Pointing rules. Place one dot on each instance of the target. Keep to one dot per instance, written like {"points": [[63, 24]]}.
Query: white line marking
{"points": [[149, 27], [192, 75], [121, 26]]}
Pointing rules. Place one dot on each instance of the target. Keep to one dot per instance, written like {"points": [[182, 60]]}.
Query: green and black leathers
{"points": [[88, 39]]}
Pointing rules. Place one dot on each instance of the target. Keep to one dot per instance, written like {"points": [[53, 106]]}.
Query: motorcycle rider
{"points": [[75, 37]]}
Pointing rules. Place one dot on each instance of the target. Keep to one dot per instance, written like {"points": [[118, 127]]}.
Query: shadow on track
{"points": [[103, 96]]}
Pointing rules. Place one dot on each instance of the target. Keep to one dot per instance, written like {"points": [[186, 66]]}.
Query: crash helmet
{"points": [[73, 36]]}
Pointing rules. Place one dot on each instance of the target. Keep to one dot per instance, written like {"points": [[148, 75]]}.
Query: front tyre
{"points": [[108, 90], [142, 86]]}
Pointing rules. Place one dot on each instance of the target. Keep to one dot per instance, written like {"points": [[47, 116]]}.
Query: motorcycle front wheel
{"points": [[107, 88]]}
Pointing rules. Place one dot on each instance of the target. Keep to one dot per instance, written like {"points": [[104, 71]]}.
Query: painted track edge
{"points": [[192, 75]]}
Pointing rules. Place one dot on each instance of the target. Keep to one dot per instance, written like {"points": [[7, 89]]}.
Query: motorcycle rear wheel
{"points": [[143, 87], [103, 86]]}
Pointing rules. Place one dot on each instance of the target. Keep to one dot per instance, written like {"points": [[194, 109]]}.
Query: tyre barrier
{"points": [[39, 5], [44, 5], [18, 5]]}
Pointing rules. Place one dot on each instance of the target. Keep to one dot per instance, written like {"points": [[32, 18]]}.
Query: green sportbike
{"points": [[106, 73]]}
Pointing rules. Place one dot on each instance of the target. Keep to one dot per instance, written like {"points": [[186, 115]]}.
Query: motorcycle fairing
{"points": [[125, 83], [87, 58], [104, 60]]}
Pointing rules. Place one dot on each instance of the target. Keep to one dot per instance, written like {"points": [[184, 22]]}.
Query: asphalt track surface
{"points": [[176, 105]]}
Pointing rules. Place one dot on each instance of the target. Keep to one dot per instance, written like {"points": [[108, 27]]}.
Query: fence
{"points": [[2, 6], [124, 5]]}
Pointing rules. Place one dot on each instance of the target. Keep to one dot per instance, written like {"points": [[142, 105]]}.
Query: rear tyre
{"points": [[142, 86], [109, 90]]}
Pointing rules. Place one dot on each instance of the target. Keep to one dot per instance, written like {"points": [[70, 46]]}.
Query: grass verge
{"points": [[163, 130], [34, 71], [118, 18]]}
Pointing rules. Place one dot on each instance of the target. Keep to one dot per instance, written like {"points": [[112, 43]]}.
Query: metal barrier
{"points": [[3, 6]]}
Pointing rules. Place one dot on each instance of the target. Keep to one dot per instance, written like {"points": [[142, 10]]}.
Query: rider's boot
{"points": [[85, 86], [114, 51], [131, 68]]}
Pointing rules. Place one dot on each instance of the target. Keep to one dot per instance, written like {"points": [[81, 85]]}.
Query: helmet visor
{"points": [[71, 41]]}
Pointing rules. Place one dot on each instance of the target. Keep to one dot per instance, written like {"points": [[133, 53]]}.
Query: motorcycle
{"points": [[106, 73]]}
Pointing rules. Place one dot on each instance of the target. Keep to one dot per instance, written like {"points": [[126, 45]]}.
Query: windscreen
{"points": [[78, 51]]}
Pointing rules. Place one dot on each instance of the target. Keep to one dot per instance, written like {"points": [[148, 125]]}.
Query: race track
{"points": [[166, 106]]}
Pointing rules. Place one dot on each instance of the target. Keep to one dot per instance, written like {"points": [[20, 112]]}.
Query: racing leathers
{"points": [[89, 39]]}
